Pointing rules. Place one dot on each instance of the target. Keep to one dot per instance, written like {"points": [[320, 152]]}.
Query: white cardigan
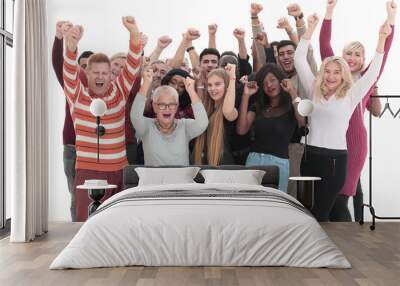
{"points": [[330, 118]]}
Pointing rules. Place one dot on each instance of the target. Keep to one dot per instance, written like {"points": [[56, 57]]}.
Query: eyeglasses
{"points": [[170, 106]]}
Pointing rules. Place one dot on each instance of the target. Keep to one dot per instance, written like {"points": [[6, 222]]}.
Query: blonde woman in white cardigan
{"points": [[335, 97]]}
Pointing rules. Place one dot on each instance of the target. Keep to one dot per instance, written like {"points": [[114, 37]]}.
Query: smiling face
{"points": [[354, 58], [216, 87], [165, 108], [332, 78], [116, 67], [209, 62], [271, 85], [99, 77], [286, 58]]}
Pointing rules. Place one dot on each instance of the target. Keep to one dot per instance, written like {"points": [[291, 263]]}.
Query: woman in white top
{"points": [[335, 97]]}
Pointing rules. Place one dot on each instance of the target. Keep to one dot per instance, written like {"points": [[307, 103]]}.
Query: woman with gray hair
{"points": [[166, 139]]}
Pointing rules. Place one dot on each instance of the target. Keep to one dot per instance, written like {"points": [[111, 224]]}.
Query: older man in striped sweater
{"points": [[115, 94]]}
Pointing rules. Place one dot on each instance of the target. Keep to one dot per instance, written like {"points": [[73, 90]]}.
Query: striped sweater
{"points": [[112, 144]]}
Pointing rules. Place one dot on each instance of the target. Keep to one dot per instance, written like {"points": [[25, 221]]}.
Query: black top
{"points": [[244, 66], [272, 135], [269, 54], [240, 142], [227, 157], [229, 135]]}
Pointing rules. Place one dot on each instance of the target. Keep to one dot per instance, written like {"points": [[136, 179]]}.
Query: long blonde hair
{"points": [[347, 80], [214, 136]]}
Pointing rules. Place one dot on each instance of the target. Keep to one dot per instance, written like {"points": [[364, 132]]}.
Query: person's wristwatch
{"points": [[189, 49]]}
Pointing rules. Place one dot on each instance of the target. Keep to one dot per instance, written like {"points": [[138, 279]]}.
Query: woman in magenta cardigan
{"points": [[356, 136]]}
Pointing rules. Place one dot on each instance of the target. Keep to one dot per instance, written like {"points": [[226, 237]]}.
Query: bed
{"points": [[198, 224]]}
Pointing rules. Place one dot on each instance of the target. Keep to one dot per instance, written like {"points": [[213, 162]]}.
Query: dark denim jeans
{"points": [[69, 159]]}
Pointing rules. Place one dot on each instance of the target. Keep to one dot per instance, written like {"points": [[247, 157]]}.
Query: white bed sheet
{"points": [[200, 232]]}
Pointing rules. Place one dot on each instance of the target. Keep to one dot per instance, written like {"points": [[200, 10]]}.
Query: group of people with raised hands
{"points": [[213, 108]]}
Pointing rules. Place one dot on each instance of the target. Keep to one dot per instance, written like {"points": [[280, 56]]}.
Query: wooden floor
{"points": [[374, 255]]}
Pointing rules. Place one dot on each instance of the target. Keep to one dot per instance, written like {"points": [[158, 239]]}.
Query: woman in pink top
{"points": [[356, 136]]}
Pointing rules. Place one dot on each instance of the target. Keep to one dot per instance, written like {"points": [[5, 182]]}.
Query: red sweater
{"points": [[68, 130], [356, 136], [112, 144]]}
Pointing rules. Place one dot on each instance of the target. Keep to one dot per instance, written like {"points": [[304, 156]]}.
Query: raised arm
{"points": [[162, 43], [57, 52], [325, 33], [131, 69], [295, 11], [194, 127], [257, 30], [228, 107], [300, 57], [187, 38], [287, 86], [212, 31], [391, 8], [283, 23], [365, 83], [72, 83], [246, 117], [139, 122], [239, 35]]}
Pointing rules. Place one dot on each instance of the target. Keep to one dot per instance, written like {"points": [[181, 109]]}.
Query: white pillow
{"points": [[248, 177], [166, 176]]}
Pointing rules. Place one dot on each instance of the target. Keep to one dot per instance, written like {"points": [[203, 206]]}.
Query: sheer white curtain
{"points": [[28, 123]]}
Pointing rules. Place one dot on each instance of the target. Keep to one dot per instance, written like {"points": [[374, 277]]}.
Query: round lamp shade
{"points": [[98, 107], [305, 107]]}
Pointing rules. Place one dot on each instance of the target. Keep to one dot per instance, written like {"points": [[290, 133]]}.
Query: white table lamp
{"points": [[305, 108], [98, 108]]}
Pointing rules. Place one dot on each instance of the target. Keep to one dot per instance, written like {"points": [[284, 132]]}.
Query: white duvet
{"points": [[188, 231]]}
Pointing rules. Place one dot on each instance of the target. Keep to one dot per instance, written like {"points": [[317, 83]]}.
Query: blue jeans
{"points": [[257, 159]]}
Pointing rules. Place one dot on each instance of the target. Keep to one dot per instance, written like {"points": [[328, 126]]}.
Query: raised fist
{"points": [[231, 70], [73, 36], [287, 86], [130, 24], [294, 10], [255, 9], [212, 29], [62, 27], [313, 21], [261, 38], [200, 75], [163, 42], [143, 40], [330, 5], [283, 23], [147, 76], [239, 33], [192, 34], [391, 8], [189, 84]]}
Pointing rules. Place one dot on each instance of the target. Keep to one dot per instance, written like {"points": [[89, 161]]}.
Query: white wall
{"points": [[354, 20]]}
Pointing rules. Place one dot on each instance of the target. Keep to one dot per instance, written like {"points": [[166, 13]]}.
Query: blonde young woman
{"points": [[213, 146], [335, 97], [356, 136]]}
